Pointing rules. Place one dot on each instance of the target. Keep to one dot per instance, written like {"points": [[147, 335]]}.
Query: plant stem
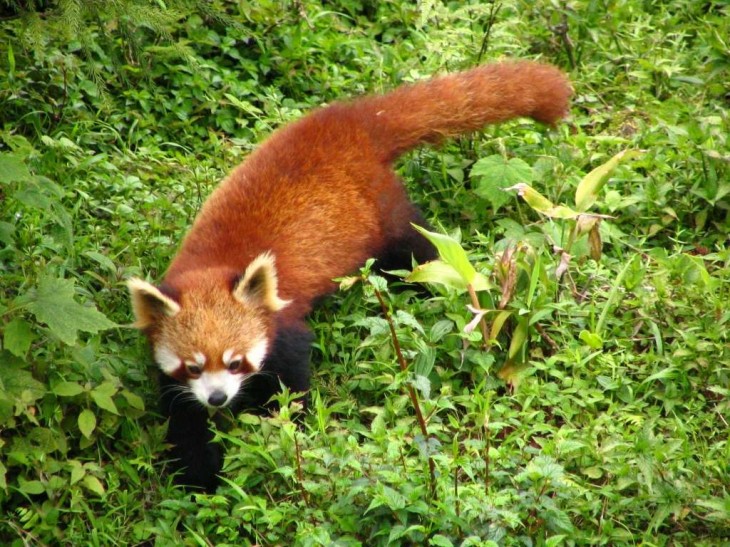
{"points": [[482, 323], [411, 390]]}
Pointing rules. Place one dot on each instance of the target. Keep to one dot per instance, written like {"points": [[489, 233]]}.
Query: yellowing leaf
{"points": [[588, 188], [541, 204]]}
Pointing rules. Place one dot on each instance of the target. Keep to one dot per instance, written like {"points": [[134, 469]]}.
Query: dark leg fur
{"points": [[198, 459], [287, 363], [397, 253]]}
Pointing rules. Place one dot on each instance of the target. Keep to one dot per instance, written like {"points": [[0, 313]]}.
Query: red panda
{"points": [[312, 203]]}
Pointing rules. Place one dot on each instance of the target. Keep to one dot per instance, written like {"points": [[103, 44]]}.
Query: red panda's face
{"points": [[212, 337]]}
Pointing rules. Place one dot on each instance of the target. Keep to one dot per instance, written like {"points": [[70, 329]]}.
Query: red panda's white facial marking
{"points": [[216, 389], [215, 333], [257, 353], [167, 360]]}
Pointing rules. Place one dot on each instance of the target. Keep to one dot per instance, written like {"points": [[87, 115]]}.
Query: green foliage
{"points": [[585, 407]]}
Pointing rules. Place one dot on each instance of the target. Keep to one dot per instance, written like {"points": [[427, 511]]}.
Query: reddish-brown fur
{"points": [[311, 204], [320, 193]]}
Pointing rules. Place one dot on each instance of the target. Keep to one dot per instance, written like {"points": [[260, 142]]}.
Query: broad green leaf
{"points": [[33, 488], [3, 476], [19, 383], [102, 396], [52, 302], [450, 252], [17, 337], [40, 193], [495, 173], [591, 339], [541, 204], [67, 389], [77, 471], [93, 484], [87, 422], [587, 192], [12, 169], [134, 400]]}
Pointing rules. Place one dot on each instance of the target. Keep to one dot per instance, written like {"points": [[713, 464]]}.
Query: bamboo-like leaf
{"points": [[451, 252], [498, 323], [587, 192], [519, 338]]}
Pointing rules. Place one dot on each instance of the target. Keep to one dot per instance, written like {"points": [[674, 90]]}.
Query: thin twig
{"points": [[411, 390], [300, 473]]}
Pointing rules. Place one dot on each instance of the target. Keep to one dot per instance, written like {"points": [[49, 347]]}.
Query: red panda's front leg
{"points": [[194, 456]]}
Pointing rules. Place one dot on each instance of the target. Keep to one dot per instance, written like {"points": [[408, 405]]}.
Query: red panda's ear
{"points": [[258, 285], [149, 303]]}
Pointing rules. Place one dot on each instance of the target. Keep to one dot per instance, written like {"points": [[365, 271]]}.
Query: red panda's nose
{"points": [[217, 398]]}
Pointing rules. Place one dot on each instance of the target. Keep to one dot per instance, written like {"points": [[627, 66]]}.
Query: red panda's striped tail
{"points": [[465, 101]]}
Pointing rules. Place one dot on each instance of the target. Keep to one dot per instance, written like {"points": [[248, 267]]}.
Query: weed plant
{"points": [[563, 381]]}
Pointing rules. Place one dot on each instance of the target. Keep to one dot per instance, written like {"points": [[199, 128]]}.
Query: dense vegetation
{"points": [[595, 412]]}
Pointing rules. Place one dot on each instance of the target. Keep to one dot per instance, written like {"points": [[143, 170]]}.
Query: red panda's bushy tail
{"points": [[462, 102]]}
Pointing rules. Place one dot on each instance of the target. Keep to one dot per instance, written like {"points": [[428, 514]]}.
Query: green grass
{"points": [[599, 412]]}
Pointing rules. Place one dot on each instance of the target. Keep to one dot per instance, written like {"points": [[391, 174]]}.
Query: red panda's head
{"points": [[212, 334]]}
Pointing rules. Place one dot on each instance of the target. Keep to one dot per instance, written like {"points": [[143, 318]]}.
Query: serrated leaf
{"points": [[12, 169], [39, 193], [52, 302], [7, 231], [451, 252], [87, 422], [18, 383], [67, 389], [495, 173], [554, 541], [17, 337], [588, 188]]}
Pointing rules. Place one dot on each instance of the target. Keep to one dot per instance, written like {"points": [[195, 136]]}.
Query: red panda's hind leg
{"points": [[399, 252]]}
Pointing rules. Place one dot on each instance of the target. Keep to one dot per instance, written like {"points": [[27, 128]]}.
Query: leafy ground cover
{"points": [[589, 407]]}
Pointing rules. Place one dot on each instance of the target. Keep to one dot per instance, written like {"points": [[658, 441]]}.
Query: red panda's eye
{"points": [[194, 370], [234, 365]]}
